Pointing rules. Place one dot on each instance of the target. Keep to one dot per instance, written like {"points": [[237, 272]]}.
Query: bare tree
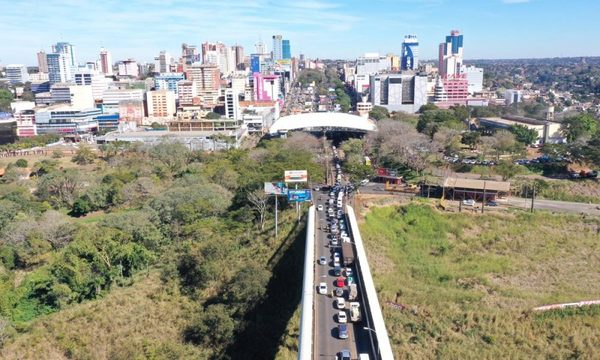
{"points": [[303, 141], [4, 326], [52, 226], [258, 198]]}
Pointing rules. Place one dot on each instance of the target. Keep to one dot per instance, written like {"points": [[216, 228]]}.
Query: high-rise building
{"points": [[286, 51], [168, 81], [161, 103], [162, 62], [451, 55], [232, 104], [474, 77], [59, 70], [207, 78], [17, 73], [261, 48], [266, 87], [189, 54], [238, 52], [42, 62], [106, 64], [410, 53], [186, 92], [277, 47], [98, 82], [66, 49]]}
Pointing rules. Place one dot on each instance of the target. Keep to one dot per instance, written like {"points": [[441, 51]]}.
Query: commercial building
{"points": [[40, 87], [59, 70], [410, 53], [190, 54], [168, 81], [131, 111], [16, 73], [207, 78], [105, 62], [161, 103], [277, 47], [548, 131], [66, 119], [162, 62], [232, 104], [238, 52], [187, 93], [80, 97], [98, 82], [266, 87], [113, 98], [25, 123], [474, 78], [451, 90], [42, 62], [128, 68], [399, 92], [286, 51], [451, 55]]}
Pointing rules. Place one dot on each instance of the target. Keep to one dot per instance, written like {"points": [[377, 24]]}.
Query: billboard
{"points": [[299, 195], [254, 63], [275, 188], [295, 176]]}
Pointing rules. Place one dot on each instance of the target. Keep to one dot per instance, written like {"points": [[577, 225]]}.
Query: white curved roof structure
{"points": [[322, 120]]}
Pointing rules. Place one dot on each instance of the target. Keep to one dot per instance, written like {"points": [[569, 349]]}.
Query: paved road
{"points": [[327, 343], [553, 205]]}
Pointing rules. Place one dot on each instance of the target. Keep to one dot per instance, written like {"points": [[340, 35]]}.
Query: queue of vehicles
{"points": [[345, 290]]}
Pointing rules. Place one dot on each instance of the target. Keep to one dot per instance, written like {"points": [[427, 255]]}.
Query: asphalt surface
{"points": [[326, 339]]}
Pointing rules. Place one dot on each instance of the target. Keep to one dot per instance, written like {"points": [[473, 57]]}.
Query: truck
{"points": [[347, 253], [353, 292], [354, 311]]}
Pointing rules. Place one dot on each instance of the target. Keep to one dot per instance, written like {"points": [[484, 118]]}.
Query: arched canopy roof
{"points": [[322, 120]]}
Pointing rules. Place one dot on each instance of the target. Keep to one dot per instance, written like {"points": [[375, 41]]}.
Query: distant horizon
{"points": [[324, 29]]}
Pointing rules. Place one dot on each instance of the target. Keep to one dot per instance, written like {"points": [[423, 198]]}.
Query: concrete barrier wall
{"points": [[383, 340], [308, 290]]}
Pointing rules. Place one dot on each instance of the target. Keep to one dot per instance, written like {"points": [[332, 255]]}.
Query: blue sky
{"points": [[325, 29]]}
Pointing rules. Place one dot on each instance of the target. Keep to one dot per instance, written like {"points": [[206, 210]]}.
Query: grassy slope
{"points": [[143, 321], [469, 282]]}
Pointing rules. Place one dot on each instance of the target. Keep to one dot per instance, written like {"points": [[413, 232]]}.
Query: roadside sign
{"points": [[278, 188], [299, 195], [296, 176]]}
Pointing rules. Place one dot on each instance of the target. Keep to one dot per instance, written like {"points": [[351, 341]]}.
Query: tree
{"points": [[212, 115], [523, 134], [6, 97], [85, 155], [379, 113], [507, 170], [60, 187], [259, 199], [57, 154], [582, 125], [504, 142], [427, 107], [472, 139], [22, 163]]}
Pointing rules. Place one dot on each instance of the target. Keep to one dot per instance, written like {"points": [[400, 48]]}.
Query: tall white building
{"points": [[277, 47], [105, 62], [59, 69], [162, 62], [98, 82], [474, 77], [451, 55], [232, 105], [128, 68], [17, 73], [112, 98]]}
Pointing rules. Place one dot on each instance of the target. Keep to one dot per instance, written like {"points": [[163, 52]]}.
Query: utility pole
{"points": [[532, 197], [483, 202], [276, 220]]}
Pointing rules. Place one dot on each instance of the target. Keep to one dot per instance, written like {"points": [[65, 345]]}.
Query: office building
{"points": [[59, 70], [112, 98], [98, 82], [266, 87], [260, 47], [65, 119], [162, 62], [168, 81], [16, 73], [451, 55], [79, 97], [513, 96], [367, 65], [25, 123], [161, 103], [238, 52], [451, 90], [399, 92], [410, 53], [105, 62], [232, 104], [277, 47], [474, 77], [286, 51], [42, 62], [190, 54], [207, 78], [67, 50], [394, 62], [128, 68], [255, 63]]}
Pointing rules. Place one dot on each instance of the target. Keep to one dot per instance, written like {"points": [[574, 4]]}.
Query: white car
{"points": [[336, 256], [323, 288], [319, 207], [340, 303], [323, 260], [342, 318]]}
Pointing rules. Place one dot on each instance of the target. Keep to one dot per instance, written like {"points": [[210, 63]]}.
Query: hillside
{"points": [[468, 283]]}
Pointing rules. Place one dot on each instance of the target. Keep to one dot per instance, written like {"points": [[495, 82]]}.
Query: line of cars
{"points": [[345, 290]]}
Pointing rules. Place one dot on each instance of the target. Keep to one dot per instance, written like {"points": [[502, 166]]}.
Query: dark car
{"points": [[491, 203], [343, 331]]}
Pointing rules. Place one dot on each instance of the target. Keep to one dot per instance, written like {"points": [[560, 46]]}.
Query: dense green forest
{"points": [[78, 232]]}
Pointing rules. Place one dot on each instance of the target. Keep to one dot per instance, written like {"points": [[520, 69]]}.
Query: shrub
{"points": [[22, 163]]}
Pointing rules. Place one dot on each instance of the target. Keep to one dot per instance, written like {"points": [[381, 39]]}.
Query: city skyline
{"points": [[320, 29]]}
